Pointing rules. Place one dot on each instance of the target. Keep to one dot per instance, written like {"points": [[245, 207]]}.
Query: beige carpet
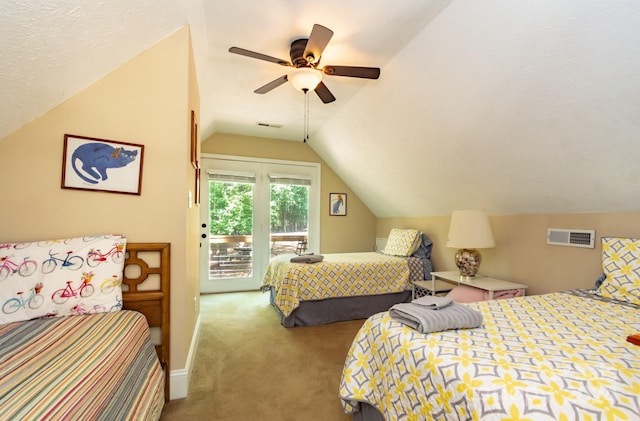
{"points": [[248, 367]]}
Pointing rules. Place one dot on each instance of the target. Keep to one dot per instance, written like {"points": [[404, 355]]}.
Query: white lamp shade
{"points": [[470, 229], [305, 78]]}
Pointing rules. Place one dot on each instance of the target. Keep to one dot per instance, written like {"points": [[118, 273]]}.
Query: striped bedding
{"points": [[98, 367]]}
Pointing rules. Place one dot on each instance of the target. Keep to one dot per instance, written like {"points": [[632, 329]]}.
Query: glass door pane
{"points": [[230, 244], [289, 216], [231, 229]]}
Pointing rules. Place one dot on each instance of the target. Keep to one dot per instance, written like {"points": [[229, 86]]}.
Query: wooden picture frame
{"points": [[338, 204], [194, 140], [90, 163]]}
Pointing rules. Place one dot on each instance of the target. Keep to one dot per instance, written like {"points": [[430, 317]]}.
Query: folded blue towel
{"points": [[433, 302], [425, 320]]}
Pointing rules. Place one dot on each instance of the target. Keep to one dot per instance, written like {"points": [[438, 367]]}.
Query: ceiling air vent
{"points": [[273, 126], [572, 238]]}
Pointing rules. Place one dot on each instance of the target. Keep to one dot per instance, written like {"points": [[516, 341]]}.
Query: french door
{"points": [[252, 210]]}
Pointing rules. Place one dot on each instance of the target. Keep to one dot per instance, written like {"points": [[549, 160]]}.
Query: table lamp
{"points": [[469, 231]]}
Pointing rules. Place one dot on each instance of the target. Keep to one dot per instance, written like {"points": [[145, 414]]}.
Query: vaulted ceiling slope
{"points": [[513, 107]]}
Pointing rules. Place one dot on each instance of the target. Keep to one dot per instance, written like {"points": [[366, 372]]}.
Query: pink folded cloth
{"points": [[506, 293], [469, 294]]}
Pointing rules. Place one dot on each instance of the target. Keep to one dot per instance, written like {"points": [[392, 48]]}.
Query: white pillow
{"points": [[61, 277]]}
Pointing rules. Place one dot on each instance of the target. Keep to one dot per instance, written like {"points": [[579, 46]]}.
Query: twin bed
{"points": [[87, 338], [347, 286], [556, 356]]}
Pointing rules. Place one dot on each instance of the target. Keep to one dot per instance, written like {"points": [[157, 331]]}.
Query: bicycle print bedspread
{"points": [[545, 358], [338, 275]]}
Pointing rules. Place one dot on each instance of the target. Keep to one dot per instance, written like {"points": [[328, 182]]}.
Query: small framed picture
{"points": [[89, 163], [337, 204]]}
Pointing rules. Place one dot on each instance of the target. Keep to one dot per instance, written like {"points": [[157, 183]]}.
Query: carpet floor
{"points": [[248, 367]]}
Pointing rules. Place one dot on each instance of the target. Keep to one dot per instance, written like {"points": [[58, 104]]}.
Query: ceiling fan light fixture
{"points": [[305, 55], [305, 78]]}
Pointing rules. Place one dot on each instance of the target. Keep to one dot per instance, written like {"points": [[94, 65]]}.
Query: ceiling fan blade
{"points": [[352, 71], [271, 85], [253, 54], [318, 40], [324, 93]]}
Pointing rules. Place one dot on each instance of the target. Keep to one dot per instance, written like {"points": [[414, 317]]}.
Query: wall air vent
{"points": [[572, 238]]}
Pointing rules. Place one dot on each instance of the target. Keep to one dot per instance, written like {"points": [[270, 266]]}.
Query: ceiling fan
{"points": [[305, 56]]}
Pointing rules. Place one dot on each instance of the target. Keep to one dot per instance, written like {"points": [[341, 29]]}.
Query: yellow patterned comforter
{"points": [[549, 357], [338, 275]]}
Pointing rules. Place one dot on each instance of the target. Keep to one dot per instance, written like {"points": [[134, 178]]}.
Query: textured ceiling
{"points": [[512, 107], [51, 50]]}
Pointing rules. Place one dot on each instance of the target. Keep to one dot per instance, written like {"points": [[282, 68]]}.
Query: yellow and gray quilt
{"points": [[560, 356], [339, 275]]}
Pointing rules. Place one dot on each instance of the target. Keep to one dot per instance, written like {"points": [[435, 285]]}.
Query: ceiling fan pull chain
{"points": [[306, 115]]}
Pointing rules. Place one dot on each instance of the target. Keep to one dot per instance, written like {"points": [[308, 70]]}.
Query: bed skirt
{"points": [[367, 412], [330, 310]]}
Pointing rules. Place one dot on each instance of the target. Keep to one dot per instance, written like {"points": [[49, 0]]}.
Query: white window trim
{"points": [[314, 193]]}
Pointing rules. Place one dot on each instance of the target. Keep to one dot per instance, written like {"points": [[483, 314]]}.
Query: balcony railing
{"points": [[230, 256]]}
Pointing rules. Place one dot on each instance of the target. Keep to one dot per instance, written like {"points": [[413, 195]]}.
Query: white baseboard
{"points": [[179, 387]]}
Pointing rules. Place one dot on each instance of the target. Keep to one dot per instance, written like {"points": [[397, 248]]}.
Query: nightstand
{"points": [[483, 282], [422, 288]]}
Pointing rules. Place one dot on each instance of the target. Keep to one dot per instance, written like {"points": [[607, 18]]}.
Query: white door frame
{"points": [[262, 168]]}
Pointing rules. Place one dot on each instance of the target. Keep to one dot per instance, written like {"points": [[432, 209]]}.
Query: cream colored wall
{"points": [[144, 102], [522, 254], [338, 234], [188, 310]]}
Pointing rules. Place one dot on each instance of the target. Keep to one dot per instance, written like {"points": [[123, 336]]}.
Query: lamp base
{"points": [[468, 261]]}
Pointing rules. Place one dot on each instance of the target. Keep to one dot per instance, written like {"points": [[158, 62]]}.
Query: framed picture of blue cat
{"points": [[90, 163]]}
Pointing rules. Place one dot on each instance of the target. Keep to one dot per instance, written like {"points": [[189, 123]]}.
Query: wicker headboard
{"points": [[145, 288]]}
